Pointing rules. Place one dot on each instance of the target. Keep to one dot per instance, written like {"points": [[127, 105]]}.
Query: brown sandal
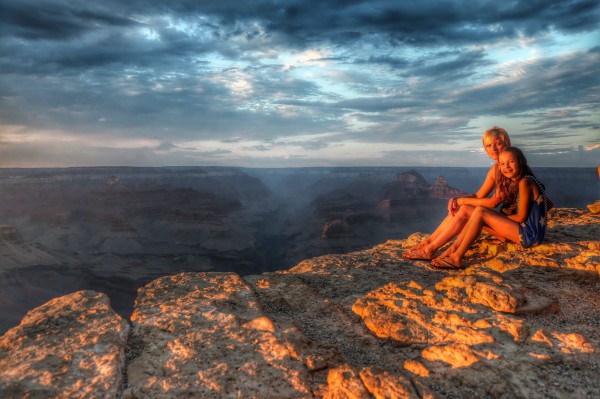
{"points": [[444, 263], [415, 254]]}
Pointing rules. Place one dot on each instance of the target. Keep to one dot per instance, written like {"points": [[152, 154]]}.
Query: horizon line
{"points": [[277, 167]]}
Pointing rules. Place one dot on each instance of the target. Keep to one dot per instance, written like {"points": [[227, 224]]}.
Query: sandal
{"points": [[444, 263], [415, 254]]}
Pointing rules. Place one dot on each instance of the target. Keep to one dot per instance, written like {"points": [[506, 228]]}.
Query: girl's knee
{"points": [[465, 211], [479, 209]]}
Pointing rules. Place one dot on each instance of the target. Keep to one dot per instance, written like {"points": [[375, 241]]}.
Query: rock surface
{"points": [[204, 335], [70, 347], [369, 324]]}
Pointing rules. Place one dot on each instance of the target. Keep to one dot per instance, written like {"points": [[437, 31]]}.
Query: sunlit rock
{"points": [[345, 383], [411, 315], [204, 334], [595, 207], [485, 288], [416, 367], [383, 384], [70, 347], [455, 354]]}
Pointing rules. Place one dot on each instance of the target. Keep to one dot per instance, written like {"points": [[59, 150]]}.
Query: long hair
{"points": [[508, 188]]}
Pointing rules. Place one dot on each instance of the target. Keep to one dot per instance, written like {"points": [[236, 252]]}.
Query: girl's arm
{"points": [[525, 194], [488, 202], [488, 185], [481, 196]]}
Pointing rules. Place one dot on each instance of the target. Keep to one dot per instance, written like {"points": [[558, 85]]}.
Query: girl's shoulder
{"points": [[526, 183], [525, 180], [494, 172]]}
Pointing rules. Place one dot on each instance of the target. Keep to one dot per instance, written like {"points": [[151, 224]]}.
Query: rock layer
{"points": [[514, 323]]}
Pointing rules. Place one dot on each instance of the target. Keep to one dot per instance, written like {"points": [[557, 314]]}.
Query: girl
{"points": [[460, 209], [526, 227]]}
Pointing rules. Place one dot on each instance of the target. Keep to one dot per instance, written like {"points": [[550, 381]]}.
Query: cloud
{"points": [[269, 75], [315, 144], [51, 20], [164, 146]]}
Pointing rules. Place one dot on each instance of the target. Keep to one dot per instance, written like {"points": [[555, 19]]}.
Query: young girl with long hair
{"points": [[526, 227]]}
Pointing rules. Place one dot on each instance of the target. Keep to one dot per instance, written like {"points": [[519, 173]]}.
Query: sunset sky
{"points": [[297, 83]]}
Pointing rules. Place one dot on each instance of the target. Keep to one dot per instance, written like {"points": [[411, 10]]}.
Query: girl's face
{"points": [[509, 165], [493, 148]]}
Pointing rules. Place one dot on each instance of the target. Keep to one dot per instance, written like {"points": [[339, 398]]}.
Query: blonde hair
{"points": [[496, 133]]}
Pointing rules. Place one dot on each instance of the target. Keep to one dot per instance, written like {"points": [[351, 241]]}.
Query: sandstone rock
{"points": [[566, 342], [203, 334], [595, 207], [455, 354], [383, 385], [486, 288], [70, 347], [344, 383], [416, 368], [411, 315]]}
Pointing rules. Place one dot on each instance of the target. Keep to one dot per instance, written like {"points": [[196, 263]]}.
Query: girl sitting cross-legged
{"points": [[526, 227]]}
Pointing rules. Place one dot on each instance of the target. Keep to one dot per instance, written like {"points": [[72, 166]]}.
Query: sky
{"points": [[297, 83]]}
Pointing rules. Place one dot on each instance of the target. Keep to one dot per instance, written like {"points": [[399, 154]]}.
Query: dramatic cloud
{"points": [[293, 83]]}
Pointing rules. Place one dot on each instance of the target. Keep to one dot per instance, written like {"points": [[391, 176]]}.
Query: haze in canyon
{"points": [[114, 229]]}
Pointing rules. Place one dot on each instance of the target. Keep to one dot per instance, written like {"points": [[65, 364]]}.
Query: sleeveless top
{"points": [[533, 229]]}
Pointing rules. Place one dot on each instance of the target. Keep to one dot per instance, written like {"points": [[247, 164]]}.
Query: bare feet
{"points": [[445, 263], [416, 253]]}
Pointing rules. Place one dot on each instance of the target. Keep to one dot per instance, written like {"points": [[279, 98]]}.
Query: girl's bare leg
{"points": [[450, 227], [480, 217]]}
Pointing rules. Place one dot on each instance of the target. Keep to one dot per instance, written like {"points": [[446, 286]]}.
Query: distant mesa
{"points": [[406, 185], [412, 185], [441, 190], [411, 177]]}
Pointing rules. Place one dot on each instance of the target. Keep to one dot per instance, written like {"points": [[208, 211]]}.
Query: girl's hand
{"points": [[453, 206]]}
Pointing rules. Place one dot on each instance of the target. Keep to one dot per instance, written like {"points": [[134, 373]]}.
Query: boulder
{"points": [[70, 347]]}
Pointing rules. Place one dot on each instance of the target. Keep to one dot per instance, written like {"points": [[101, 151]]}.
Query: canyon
{"points": [[366, 324], [221, 282], [115, 229]]}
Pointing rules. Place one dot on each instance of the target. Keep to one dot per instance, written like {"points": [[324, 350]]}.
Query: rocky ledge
{"points": [[514, 323]]}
